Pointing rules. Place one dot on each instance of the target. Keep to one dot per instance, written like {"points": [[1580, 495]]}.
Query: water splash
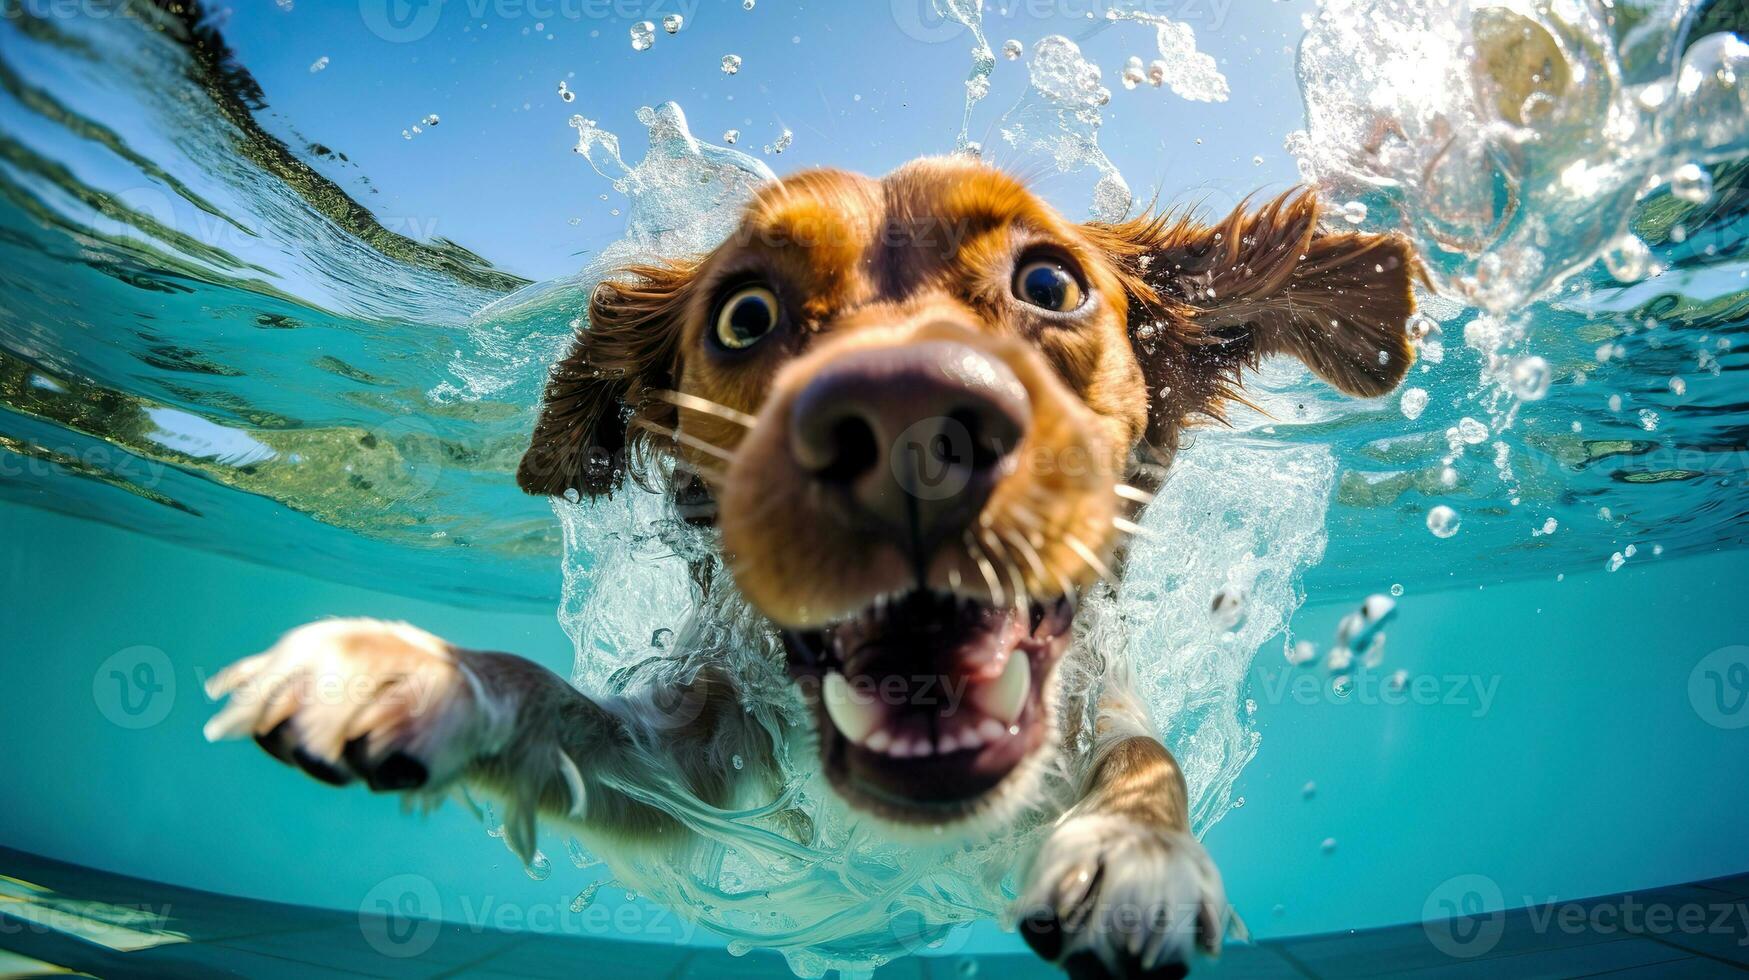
{"points": [[684, 197], [1266, 528], [1181, 67], [840, 895], [1059, 117], [1510, 140], [970, 15]]}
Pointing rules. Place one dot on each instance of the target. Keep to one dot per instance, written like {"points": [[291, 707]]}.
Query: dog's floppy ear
{"points": [[1209, 300], [600, 409]]}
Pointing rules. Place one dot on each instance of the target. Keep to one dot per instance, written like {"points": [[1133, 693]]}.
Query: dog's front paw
{"points": [[357, 698], [1113, 896]]}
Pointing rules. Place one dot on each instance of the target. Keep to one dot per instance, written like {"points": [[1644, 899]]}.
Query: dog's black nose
{"points": [[916, 435]]}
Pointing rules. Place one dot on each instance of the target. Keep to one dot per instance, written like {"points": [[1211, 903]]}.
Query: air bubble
{"points": [[643, 35], [1470, 431], [538, 867], [730, 136], [1628, 260], [782, 143], [1691, 182], [586, 897], [1012, 49], [1354, 212], [731, 64], [673, 23], [1443, 521], [318, 64], [1413, 403], [1133, 74], [1530, 378]]}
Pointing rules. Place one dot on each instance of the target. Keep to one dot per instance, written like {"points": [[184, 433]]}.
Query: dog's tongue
{"points": [[925, 635]]}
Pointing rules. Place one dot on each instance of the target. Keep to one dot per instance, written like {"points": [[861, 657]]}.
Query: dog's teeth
{"points": [[1004, 699], [854, 717], [880, 741], [990, 730], [947, 743], [901, 748], [970, 739]]}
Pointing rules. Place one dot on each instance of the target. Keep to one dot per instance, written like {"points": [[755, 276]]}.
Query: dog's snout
{"points": [[916, 435]]}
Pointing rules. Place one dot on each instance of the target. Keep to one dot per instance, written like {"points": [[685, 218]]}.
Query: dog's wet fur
{"points": [[922, 413]]}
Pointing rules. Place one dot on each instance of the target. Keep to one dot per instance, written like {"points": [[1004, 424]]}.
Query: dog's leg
{"points": [[1120, 888], [401, 710]]}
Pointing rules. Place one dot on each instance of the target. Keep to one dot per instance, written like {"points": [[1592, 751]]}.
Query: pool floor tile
{"points": [[210, 936]]}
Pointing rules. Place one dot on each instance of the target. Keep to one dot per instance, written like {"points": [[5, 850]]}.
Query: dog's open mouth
{"points": [[927, 702]]}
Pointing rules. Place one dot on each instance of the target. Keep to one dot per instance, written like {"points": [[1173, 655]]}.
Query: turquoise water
{"points": [[245, 383]]}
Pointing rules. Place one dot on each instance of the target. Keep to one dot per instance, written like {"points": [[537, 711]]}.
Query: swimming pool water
{"points": [[246, 382]]}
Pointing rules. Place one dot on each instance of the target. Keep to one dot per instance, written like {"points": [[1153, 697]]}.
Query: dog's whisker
{"points": [[1025, 515], [693, 442], [1066, 587], [1136, 494], [1035, 494], [1080, 548], [997, 596], [1022, 595], [1131, 527], [1027, 551], [705, 405]]}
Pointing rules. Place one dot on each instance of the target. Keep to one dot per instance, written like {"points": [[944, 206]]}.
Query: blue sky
{"points": [[863, 85]]}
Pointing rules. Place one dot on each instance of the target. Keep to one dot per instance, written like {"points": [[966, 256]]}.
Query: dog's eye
{"points": [[747, 316], [1048, 284]]}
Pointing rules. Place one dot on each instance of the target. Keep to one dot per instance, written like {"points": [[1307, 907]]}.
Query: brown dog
{"points": [[923, 412]]}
